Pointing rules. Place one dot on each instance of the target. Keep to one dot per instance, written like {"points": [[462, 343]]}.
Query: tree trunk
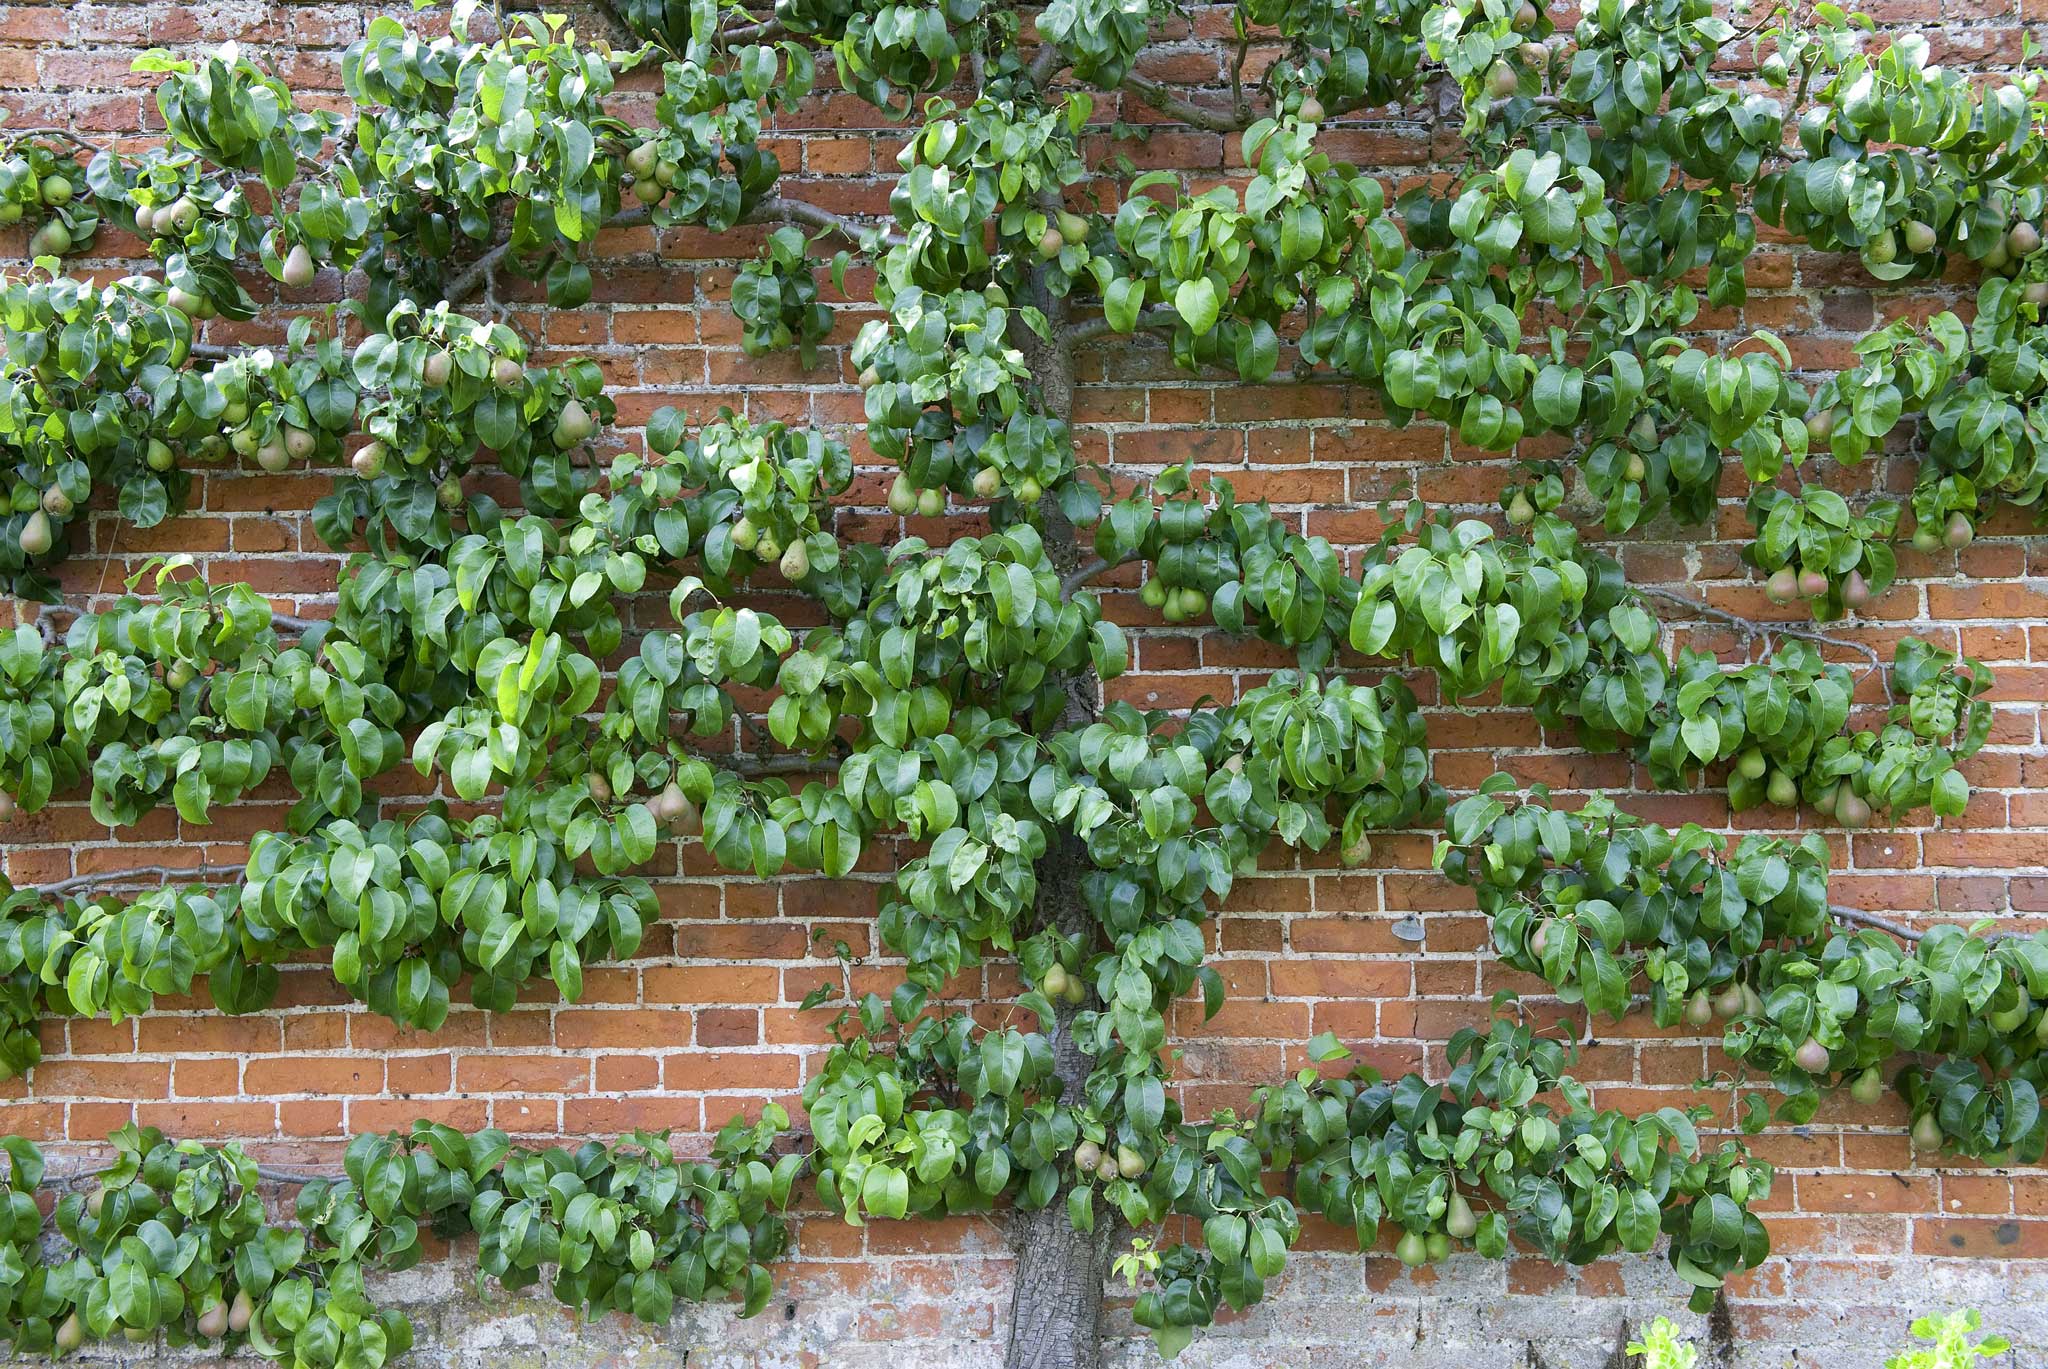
{"points": [[1056, 1301]]}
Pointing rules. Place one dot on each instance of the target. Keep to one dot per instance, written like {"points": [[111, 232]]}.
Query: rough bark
{"points": [[1056, 1301]]}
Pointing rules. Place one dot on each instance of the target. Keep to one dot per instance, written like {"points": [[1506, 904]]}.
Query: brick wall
{"points": [[705, 1022]]}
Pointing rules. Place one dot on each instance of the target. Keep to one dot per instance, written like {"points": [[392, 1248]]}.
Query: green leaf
{"points": [[1197, 304]]}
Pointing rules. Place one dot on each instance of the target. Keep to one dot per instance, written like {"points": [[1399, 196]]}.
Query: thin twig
{"points": [[14, 135], [1898, 930]]}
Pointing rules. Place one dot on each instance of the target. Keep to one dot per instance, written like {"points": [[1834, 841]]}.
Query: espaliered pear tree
{"points": [[1614, 181]]}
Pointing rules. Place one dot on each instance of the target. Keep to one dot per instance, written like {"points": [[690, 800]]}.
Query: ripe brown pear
{"points": [[1958, 533], [1856, 590], [9, 809], [1811, 1056], [240, 1313], [56, 503], [213, 1322]]}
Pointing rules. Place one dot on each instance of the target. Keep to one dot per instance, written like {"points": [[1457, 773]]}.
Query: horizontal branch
{"points": [[781, 209], [753, 766], [1046, 63], [64, 1179], [1152, 319], [1752, 627], [1156, 95], [1086, 572], [156, 872]]}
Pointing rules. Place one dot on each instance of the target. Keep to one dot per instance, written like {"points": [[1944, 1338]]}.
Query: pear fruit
{"points": [[36, 537], [298, 267], [796, 562], [240, 1313]]}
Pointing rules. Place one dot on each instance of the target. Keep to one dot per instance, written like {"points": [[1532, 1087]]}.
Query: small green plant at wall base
{"points": [[1952, 1346], [1661, 1348], [1950, 1333]]}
